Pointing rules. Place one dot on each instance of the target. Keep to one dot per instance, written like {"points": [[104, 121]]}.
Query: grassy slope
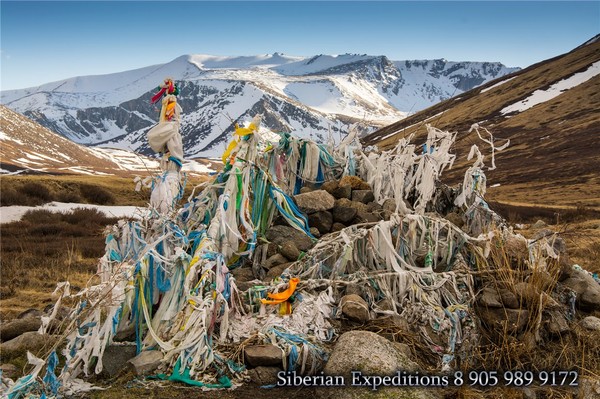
{"points": [[553, 155]]}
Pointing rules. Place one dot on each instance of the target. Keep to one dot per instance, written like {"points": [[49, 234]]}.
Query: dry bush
{"points": [[69, 196], [97, 195], [37, 190], [9, 196], [532, 347]]}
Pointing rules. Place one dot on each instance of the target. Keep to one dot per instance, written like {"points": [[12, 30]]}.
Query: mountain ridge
{"points": [[315, 96]]}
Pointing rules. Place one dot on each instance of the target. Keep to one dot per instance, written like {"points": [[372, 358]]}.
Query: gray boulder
{"points": [[275, 260], [318, 200], [591, 323], [29, 341], [370, 354], [16, 327], [263, 355], [322, 220], [364, 196], [290, 251], [145, 363], [343, 214], [586, 288], [355, 308], [342, 192], [116, 356], [278, 235], [263, 375]]}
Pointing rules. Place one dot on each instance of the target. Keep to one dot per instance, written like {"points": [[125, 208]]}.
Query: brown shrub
{"points": [[9, 196], [96, 194], [69, 196], [35, 190]]}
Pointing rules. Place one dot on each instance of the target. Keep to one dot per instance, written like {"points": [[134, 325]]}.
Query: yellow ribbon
{"points": [[239, 133]]}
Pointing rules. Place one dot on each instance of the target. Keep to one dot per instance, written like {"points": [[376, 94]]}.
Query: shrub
{"points": [[9, 196], [40, 216], [97, 195], [70, 196], [37, 190], [87, 217]]}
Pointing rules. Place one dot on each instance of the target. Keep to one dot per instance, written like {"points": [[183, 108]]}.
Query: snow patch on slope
{"points": [[541, 96]]}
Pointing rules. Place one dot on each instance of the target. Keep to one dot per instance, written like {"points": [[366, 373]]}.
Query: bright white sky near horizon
{"points": [[46, 41]]}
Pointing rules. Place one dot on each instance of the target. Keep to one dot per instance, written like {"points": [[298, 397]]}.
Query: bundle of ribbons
{"points": [[168, 276]]}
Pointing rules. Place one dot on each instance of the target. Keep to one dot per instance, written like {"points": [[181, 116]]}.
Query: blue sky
{"points": [[49, 40]]}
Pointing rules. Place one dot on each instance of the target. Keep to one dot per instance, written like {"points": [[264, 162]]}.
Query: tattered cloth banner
{"points": [[167, 277]]}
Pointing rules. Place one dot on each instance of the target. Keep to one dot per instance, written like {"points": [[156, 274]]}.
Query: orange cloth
{"points": [[283, 296]]}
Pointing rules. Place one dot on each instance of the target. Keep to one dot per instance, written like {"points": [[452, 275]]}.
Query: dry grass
{"points": [[101, 190], [45, 248]]}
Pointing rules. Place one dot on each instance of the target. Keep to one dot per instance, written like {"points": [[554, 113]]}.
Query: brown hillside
{"points": [[554, 155]]}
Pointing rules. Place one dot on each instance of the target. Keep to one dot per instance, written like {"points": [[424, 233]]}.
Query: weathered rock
{"points": [[17, 327], [126, 334], [586, 288], [322, 220], [275, 260], [145, 363], [337, 227], [342, 192], [305, 189], [344, 202], [497, 318], [509, 299], [242, 274], [9, 371], [490, 298], [28, 341], [315, 232], [263, 355], [353, 289], [367, 352], [364, 196], [355, 308], [556, 323], [386, 304], [330, 186], [244, 277], [290, 251], [262, 375], [516, 247], [318, 200], [280, 234], [355, 182], [115, 357], [343, 214], [35, 313], [591, 323], [366, 217], [370, 354], [277, 270], [389, 205], [374, 207]]}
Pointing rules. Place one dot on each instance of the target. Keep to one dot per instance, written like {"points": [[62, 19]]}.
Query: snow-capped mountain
{"points": [[312, 96], [25, 146]]}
